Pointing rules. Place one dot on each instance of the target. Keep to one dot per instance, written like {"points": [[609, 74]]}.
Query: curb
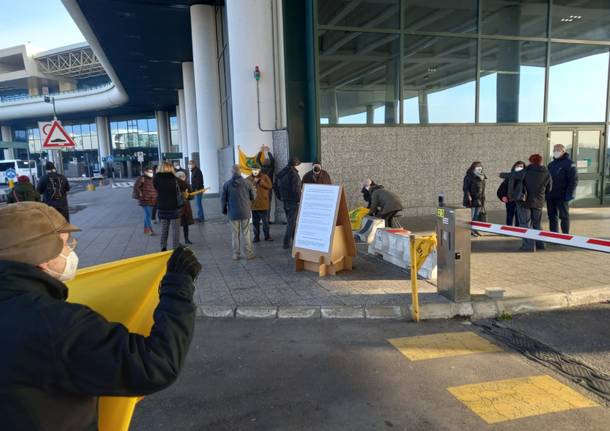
{"points": [[475, 310]]}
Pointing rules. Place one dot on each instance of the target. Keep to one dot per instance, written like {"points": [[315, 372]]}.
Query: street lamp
{"points": [[50, 99]]}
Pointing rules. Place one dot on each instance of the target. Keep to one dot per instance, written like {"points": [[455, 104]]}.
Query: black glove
{"points": [[183, 261]]}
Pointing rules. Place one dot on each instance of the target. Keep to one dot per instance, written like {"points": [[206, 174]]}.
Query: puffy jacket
{"points": [[261, 203], [196, 179], [384, 202], [537, 183], [237, 194], [58, 357], [144, 191], [474, 190], [23, 192], [565, 178], [322, 178], [288, 185]]}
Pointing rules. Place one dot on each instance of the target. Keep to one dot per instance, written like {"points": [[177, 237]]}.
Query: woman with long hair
{"points": [[474, 191], [169, 203]]}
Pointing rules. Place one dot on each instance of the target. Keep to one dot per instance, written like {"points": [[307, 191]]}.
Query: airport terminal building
{"points": [[406, 92]]}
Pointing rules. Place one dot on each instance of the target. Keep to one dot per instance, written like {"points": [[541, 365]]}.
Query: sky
{"points": [[44, 23]]}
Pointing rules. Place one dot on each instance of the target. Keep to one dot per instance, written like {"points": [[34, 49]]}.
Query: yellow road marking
{"points": [[506, 400], [442, 345]]}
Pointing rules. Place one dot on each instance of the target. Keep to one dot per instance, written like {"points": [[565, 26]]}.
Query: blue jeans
{"points": [[475, 211], [198, 199], [147, 216]]}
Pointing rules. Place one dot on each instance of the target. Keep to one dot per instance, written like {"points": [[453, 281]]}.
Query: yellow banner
{"points": [[247, 162], [125, 291], [356, 216]]}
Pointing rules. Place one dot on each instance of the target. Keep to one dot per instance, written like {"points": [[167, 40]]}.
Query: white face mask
{"points": [[557, 154], [256, 172], [478, 169], [149, 174], [69, 271], [518, 168]]}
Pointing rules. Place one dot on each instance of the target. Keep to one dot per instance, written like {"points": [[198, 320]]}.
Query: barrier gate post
{"points": [[453, 258]]}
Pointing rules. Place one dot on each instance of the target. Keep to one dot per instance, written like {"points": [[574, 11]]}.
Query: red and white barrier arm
{"points": [[596, 244]]}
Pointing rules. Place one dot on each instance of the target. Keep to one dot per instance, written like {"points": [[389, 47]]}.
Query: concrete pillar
{"points": [[6, 135], [103, 136], [205, 65], [392, 88], [370, 114], [507, 81], [252, 40], [162, 131], [190, 109], [423, 107], [184, 145], [333, 116]]}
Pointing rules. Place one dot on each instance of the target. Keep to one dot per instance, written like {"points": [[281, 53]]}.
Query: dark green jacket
{"points": [[23, 192], [58, 357]]}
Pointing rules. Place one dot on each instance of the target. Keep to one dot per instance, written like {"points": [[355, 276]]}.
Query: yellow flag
{"points": [[423, 247], [356, 216], [125, 291], [247, 162]]}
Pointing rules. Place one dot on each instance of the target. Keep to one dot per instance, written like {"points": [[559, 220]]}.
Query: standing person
{"points": [[186, 215], [317, 175], [504, 194], [474, 191], [536, 184], [54, 189], [565, 179], [287, 188], [154, 208], [144, 191], [237, 193], [197, 184], [23, 191], [169, 203], [268, 168], [59, 357], [384, 203], [260, 206]]}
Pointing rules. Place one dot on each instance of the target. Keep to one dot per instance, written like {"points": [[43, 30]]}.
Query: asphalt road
{"points": [[345, 375]]}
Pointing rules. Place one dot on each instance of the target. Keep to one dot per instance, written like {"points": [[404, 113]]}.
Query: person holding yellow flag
{"points": [[59, 357]]}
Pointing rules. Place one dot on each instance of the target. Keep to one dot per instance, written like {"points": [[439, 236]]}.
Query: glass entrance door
{"points": [[585, 147]]}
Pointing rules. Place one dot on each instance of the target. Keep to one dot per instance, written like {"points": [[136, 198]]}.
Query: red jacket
{"points": [[144, 191]]}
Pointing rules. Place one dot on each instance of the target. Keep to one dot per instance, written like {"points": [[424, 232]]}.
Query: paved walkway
{"points": [[112, 229]]}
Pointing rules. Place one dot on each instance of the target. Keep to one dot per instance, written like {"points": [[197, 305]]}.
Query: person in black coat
{"points": [[197, 184], [54, 188], [565, 179], [288, 190], [384, 204], [474, 191], [504, 194], [169, 203], [537, 183], [59, 357]]}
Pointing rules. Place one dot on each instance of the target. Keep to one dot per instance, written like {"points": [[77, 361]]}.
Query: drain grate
{"points": [[580, 373]]}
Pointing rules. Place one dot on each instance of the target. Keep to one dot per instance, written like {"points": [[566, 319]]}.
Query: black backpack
{"points": [[503, 189], [55, 190]]}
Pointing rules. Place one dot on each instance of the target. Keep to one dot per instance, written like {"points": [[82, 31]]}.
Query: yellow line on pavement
{"points": [[443, 345], [505, 400]]}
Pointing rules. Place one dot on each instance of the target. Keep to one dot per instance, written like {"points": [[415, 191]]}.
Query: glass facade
{"points": [[463, 61], [132, 133]]}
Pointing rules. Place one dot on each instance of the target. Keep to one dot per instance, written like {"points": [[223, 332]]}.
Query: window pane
{"points": [[455, 16], [358, 75], [512, 81], [514, 18], [358, 13], [440, 72], [577, 83], [585, 19]]}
